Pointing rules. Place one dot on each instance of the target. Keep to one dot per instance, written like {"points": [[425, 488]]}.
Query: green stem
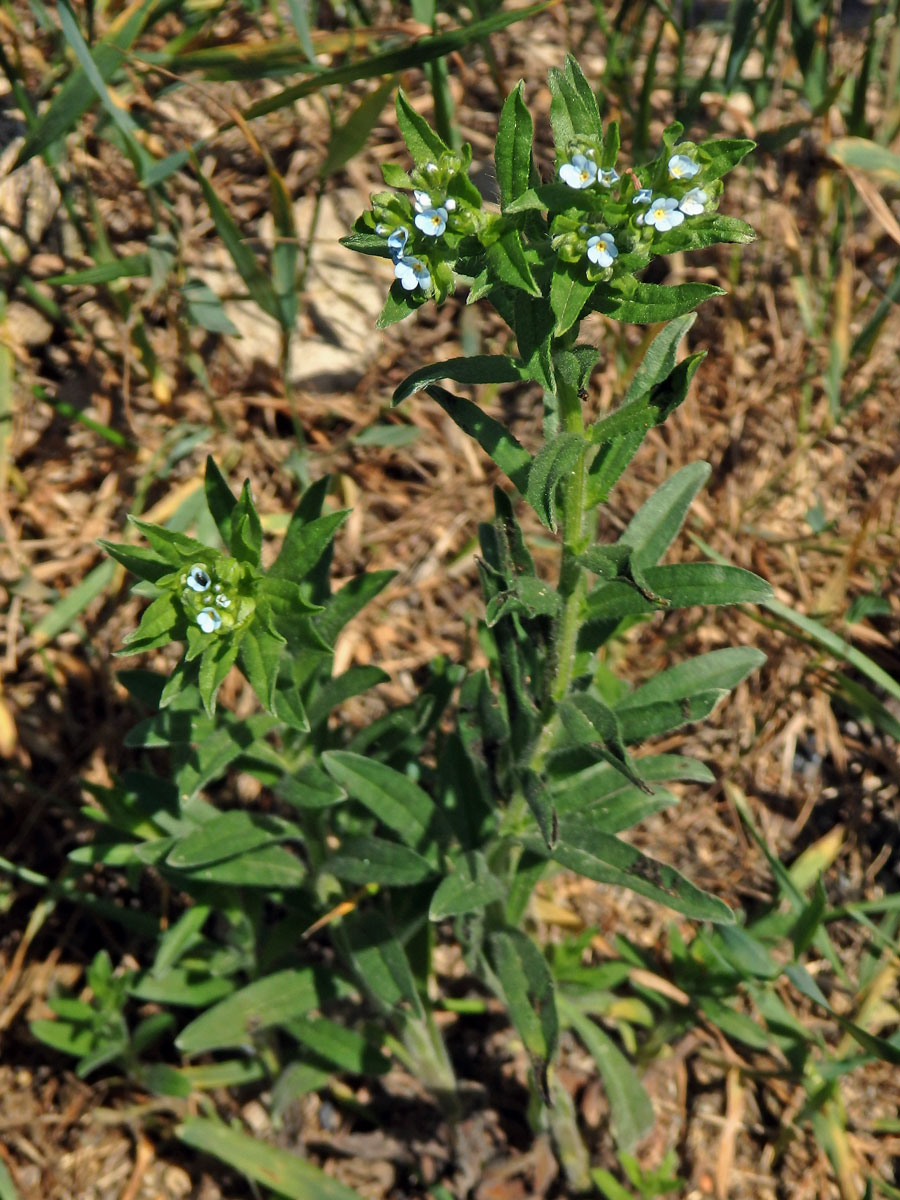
{"points": [[572, 584]]}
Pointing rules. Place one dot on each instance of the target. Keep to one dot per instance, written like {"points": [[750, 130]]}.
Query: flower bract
{"points": [[682, 166], [412, 272], [601, 249], [694, 202], [579, 173], [432, 221], [663, 214]]}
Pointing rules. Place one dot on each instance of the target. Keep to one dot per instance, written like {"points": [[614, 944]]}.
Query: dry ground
{"points": [[758, 414]]}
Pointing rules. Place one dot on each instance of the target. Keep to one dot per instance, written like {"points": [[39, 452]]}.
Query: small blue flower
{"points": [[432, 221], [694, 202], [663, 214], [682, 166], [608, 176], [198, 578], [601, 249], [209, 620], [412, 272], [421, 200], [397, 241], [644, 196], [579, 173]]}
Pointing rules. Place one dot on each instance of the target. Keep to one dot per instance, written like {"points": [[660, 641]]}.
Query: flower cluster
{"points": [[212, 594], [662, 212]]}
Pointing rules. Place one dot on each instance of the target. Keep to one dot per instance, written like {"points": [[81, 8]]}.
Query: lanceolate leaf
{"points": [[229, 834], [651, 409], [477, 368], [471, 886], [527, 988], [554, 461], [648, 303], [423, 143], [569, 292], [601, 856], [219, 499], [653, 527], [512, 156], [393, 798], [678, 586], [510, 456], [659, 361], [508, 263], [365, 859]]}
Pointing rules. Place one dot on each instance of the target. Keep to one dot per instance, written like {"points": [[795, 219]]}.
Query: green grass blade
{"points": [[389, 62], [66, 610]]}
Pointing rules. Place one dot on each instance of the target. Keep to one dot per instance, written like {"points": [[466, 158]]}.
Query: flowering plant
{"points": [[448, 811]]}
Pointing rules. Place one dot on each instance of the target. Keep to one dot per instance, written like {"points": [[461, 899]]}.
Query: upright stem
{"points": [[571, 573]]}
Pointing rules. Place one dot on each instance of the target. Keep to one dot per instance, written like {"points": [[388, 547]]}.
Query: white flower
{"points": [[208, 620], [601, 249], [694, 202], [198, 578], [412, 272], [450, 204], [681, 166], [222, 600], [397, 241], [663, 214], [421, 200], [608, 176], [644, 196], [432, 221], [579, 173]]}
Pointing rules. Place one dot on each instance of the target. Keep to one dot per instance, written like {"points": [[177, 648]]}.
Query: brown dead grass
{"points": [[758, 414]]}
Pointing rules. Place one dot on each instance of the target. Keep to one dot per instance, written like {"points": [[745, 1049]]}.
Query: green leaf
{"points": [[220, 499], [508, 263], [631, 1112], [347, 602], [130, 267], [270, 867], [346, 1048], [495, 439], [259, 657], [553, 463], [654, 408], [422, 50], [591, 723], [652, 529], [527, 988], [246, 529], [365, 859], [569, 292], [349, 136], [649, 303], [477, 368], [528, 597], [379, 960], [230, 834], [471, 885], [237, 1019], [661, 716], [304, 544], [719, 155], [393, 798], [216, 661], [543, 809], [398, 304], [176, 548], [512, 153], [205, 310], [601, 856], [573, 108], [158, 625], [660, 359], [276, 1169], [698, 232], [78, 93], [423, 143], [139, 560], [310, 787], [678, 585], [246, 263], [717, 670]]}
